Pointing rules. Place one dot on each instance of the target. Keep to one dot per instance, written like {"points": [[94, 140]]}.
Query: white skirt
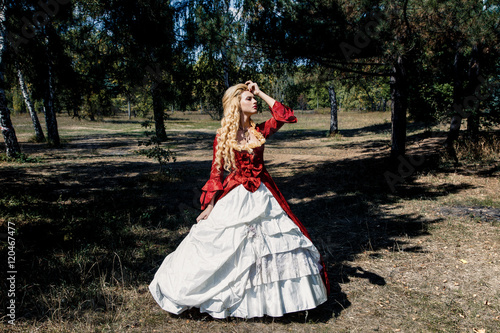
{"points": [[248, 259]]}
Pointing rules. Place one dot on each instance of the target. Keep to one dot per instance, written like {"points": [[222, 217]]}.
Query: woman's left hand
{"points": [[204, 215], [253, 87]]}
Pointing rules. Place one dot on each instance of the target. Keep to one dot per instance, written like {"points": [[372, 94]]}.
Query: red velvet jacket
{"points": [[251, 171]]}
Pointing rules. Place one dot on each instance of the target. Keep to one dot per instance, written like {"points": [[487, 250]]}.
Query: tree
{"points": [[39, 136], [318, 31], [461, 52], [9, 134], [35, 34], [401, 40], [94, 73], [143, 42], [334, 126], [218, 30], [394, 46], [49, 95]]}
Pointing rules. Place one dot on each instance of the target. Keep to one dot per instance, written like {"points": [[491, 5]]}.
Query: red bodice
{"points": [[251, 171], [250, 166]]}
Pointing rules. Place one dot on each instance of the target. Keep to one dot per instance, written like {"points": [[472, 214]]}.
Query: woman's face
{"points": [[248, 103]]}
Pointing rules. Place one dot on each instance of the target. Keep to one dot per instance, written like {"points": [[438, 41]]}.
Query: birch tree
{"points": [[39, 136], [8, 132], [35, 39]]}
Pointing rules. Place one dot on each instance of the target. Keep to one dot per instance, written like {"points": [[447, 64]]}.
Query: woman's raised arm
{"points": [[254, 89]]}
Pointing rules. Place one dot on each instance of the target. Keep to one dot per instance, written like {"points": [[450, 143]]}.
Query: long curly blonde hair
{"points": [[226, 142]]}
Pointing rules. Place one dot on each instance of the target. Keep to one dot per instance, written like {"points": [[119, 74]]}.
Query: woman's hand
{"points": [[204, 215], [253, 88]]}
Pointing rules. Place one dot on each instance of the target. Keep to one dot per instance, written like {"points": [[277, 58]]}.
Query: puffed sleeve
{"points": [[281, 114], [214, 184]]}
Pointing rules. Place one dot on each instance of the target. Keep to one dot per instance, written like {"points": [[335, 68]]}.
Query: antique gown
{"points": [[251, 257]]}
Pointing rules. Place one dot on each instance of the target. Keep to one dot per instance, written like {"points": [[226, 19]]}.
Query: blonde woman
{"points": [[248, 255]]}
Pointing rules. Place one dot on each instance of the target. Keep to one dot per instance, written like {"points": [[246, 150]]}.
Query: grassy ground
{"points": [[413, 247]]}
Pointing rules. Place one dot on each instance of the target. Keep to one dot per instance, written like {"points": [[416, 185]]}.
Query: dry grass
{"points": [[94, 221]]}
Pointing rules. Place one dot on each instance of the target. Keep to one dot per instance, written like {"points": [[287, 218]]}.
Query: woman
{"points": [[248, 255]]}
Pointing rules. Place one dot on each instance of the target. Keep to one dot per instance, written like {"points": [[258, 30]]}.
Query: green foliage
{"points": [[208, 88], [18, 104], [97, 104], [103, 54], [439, 98], [318, 97], [20, 158], [436, 62], [364, 93], [155, 151], [491, 109]]}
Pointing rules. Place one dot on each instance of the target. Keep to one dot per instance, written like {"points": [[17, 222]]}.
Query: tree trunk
{"points": [[372, 101], [225, 76], [9, 134], [225, 64], [129, 109], [48, 101], [31, 109], [158, 113], [456, 119], [334, 128], [473, 76], [453, 133], [49, 110], [473, 122], [399, 97]]}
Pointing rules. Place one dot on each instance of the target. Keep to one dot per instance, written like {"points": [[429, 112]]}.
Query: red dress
{"points": [[251, 171], [251, 256]]}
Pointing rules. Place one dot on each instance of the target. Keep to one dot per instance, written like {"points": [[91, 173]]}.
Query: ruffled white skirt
{"points": [[248, 259]]}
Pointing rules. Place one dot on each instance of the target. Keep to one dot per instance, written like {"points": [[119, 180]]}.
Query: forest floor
{"points": [[411, 247]]}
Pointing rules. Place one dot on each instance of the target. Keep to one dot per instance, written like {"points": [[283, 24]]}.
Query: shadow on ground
{"points": [[73, 220], [344, 206]]}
